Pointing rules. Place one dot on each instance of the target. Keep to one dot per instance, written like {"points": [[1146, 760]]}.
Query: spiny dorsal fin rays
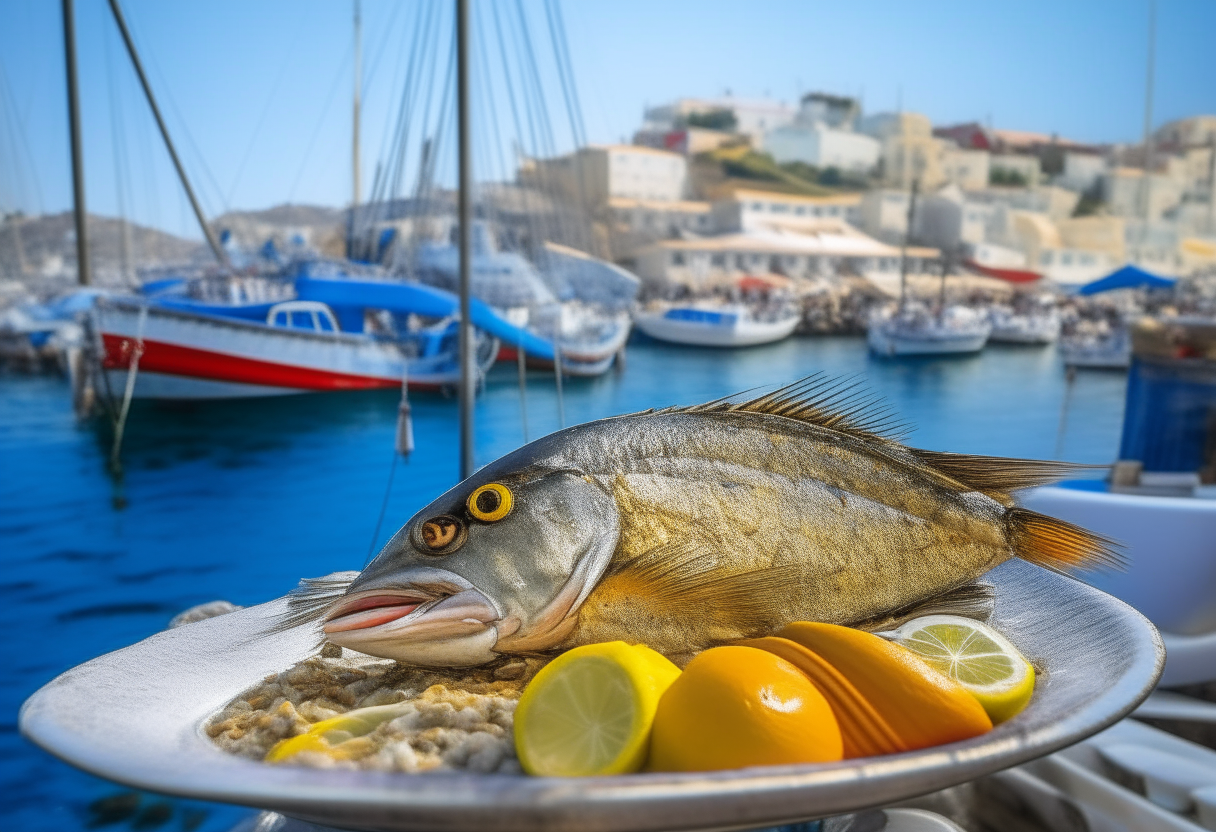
{"points": [[1000, 474], [841, 404]]}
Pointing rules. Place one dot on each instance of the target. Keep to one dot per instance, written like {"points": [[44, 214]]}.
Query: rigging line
{"points": [[426, 82], [561, 220], [571, 104], [340, 75], [167, 95], [565, 50], [19, 197], [548, 223], [402, 122], [388, 490], [531, 211], [118, 146], [391, 125], [375, 62], [400, 125], [283, 66], [19, 127], [566, 77]]}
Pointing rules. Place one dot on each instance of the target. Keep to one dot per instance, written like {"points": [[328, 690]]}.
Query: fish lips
{"points": [[412, 611]]}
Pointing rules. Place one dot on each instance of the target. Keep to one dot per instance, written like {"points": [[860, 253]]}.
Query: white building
{"points": [[965, 167], [753, 117], [947, 219], [822, 135], [884, 213], [754, 210], [823, 147], [829, 249], [595, 174], [1027, 168], [1082, 171]]}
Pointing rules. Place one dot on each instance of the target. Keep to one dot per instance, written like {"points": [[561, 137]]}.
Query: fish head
{"points": [[500, 563]]}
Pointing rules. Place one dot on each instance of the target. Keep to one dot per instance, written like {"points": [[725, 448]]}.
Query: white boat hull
{"points": [[740, 333], [191, 356], [883, 342]]}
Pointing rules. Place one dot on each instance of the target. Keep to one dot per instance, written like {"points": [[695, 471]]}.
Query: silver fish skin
{"points": [[692, 527]]}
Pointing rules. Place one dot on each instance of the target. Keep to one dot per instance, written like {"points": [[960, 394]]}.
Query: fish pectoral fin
{"points": [[975, 600], [688, 577]]}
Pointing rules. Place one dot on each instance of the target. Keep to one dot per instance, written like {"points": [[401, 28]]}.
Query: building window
{"points": [[800, 210], [677, 258], [757, 206], [779, 208], [718, 260]]}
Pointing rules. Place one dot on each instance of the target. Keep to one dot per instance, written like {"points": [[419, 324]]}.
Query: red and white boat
{"points": [[299, 348]]}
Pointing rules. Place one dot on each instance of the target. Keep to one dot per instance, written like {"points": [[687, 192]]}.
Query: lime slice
{"points": [[976, 656], [590, 710]]}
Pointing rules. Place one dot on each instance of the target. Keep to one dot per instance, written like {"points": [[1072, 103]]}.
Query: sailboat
{"points": [[586, 335], [911, 328]]}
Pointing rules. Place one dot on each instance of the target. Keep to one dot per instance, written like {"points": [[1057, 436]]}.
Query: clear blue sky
{"points": [[257, 92]]}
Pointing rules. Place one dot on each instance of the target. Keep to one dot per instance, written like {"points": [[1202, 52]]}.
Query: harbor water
{"points": [[237, 500]]}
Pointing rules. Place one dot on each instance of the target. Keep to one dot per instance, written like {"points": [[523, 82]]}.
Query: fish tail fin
{"points": [[1058, 545]]}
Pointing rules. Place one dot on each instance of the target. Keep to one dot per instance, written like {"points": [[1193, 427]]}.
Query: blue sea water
{"points": [[238, 500]]}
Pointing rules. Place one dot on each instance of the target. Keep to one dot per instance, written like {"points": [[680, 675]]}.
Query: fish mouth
{"points": [[437, 606], [375, 608]]}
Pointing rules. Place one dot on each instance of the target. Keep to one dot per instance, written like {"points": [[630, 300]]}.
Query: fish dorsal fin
{"points": [[997, 475], [839, 404]]}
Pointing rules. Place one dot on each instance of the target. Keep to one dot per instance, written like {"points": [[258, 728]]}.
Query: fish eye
{"points": [[440, 535], [490, 502]]}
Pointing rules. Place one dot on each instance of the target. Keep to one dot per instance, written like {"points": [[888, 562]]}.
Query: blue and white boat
{"points": [[239, 337], [1160, 501], [706, 324]]}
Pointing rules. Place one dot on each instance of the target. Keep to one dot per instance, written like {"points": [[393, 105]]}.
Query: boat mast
{"points": [[212, 241], [82, 234], [903, 250], [354, 202], [467, 380]]}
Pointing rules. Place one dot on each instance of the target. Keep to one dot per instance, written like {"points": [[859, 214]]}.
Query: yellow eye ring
{"points": [[490, 502]]}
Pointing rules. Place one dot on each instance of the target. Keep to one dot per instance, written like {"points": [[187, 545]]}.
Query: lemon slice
{"points": [[329, 735], [590, 710], [976, 656]]}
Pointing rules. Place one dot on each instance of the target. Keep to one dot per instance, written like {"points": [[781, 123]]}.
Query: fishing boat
{"points": [[1037, 323], [298, 347], [1098, 347], [708, 324], [578, 303], [1160, 500], [916, 330], [1105, 343]]}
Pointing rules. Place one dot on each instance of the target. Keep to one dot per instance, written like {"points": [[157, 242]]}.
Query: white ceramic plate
{"points": [[135, 716]]}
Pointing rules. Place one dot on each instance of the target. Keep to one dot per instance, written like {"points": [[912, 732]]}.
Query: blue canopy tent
{"points": [[1128, 277]]}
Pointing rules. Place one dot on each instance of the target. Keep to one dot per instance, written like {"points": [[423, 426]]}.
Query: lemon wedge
{"points": [[976, 656], [329, 736], [590, 710]]}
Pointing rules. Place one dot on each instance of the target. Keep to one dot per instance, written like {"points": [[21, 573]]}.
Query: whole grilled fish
{"points": [[689, 527]]}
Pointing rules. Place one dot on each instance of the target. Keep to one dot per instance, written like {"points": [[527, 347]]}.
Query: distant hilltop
{"points": [[41, 251]]}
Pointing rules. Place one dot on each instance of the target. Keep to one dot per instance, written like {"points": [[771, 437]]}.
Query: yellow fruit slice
{"points": [[590, 710], [329, 735], [982, 660]]}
